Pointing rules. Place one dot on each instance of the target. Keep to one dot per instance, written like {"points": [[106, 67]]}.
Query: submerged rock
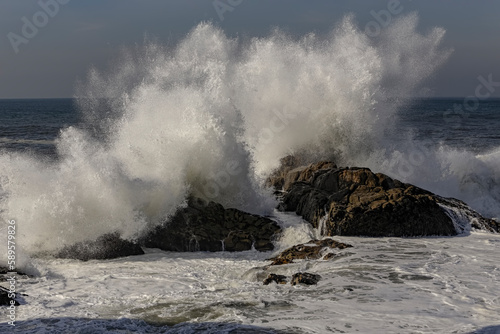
{"points": [[5, 300], [108, 246], [278, 261], [278, 279], [298, 278], [209, 226], [358, 202], [4, 270], [311, 250], [5, 273], [305, 278]]}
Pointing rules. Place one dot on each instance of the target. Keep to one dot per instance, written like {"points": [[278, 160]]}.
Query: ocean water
{"points": [[435, 120], [33, 126], [212, 117]]}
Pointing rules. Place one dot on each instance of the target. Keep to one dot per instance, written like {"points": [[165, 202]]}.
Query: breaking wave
{"points": [[213, 115]]}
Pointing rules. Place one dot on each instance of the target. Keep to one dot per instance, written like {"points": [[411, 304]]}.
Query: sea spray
{"points": [[211, 117], [449, 172]]}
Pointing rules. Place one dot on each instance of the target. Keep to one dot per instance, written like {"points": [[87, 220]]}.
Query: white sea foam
{"points": [[381, 285], [213, 115], [449, 172]]}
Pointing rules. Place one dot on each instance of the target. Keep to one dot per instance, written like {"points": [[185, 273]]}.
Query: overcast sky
{"points": [[84, 33]]}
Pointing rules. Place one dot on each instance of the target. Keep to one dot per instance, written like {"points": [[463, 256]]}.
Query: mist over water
{"points": [[213, 116]]}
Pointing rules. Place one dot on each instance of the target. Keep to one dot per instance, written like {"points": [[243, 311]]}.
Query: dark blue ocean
{"points": [[33, 125], [446, 121]]}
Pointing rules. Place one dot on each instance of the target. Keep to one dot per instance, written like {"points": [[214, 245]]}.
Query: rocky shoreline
{"points": [[338, 201], [357, 202], [335, 201]]}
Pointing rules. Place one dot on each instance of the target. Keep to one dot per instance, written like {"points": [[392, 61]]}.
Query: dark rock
{"points": [[238, 241], [5, 300], [358, 202], [108, 246], [278, 279], [311, 250], [466, 217], [5, 273], [210, 227], [328, 256], [305, 278], [281, 260], [200, 226], [291, 171]]}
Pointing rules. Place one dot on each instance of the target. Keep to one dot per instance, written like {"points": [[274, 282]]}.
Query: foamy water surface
{"points": [[381, 285]]}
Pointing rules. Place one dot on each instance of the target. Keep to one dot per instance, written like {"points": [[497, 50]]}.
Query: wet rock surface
{"points": [[278, 279], [200, 226], [298, 278], [337, 201], [108, 246], [291, 171], [209, 226], [11, 298], [314, 249], [357, 202], [305, 278], [5, 300]]}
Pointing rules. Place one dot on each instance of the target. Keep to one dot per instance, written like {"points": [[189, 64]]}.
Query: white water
{"points": [[381, 285], [212, 116]]}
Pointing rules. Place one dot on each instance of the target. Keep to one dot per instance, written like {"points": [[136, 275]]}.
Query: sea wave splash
{"points": [[213, 115]]}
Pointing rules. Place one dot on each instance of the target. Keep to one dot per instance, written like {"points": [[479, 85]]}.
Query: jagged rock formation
{"points": [[108, 246], [357, 202], [311, 250], [200, 226], [209, 226], [290, 172], [338, 201]]}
